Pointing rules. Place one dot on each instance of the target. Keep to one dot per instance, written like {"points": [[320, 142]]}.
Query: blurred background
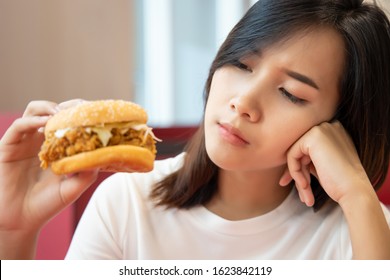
{"points": [[154, 52]]}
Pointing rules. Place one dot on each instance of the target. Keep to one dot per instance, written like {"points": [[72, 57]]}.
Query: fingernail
{"points": [[306, 198], [56, 109], [68, 176]]}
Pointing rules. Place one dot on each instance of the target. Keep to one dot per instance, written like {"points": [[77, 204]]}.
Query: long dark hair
{"points": [[364, 89]]}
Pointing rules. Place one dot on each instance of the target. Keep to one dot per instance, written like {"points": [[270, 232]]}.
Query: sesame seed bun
{"points": [[97, 113]]}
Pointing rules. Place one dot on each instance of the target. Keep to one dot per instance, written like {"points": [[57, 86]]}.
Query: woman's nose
{"points": [[246, 108]]}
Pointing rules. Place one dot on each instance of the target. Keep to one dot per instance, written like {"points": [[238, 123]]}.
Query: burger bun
{"points": [[121, 158]]}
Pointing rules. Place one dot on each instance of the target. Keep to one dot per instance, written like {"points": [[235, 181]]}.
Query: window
{"points": [[176, 43]]}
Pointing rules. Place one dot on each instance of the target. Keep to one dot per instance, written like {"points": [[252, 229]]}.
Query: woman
{"points": [[297, 104]]}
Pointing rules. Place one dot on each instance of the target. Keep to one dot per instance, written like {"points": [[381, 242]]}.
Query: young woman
{"points": [[285, 165]]}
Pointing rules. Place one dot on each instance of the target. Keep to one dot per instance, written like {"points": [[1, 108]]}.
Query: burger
{"points": [[109, 135]]}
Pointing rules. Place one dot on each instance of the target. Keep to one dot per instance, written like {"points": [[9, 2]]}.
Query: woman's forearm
{"points": [[369, 231]]}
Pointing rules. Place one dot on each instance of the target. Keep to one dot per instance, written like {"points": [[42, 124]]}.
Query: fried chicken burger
{"points": [[109, 135]]}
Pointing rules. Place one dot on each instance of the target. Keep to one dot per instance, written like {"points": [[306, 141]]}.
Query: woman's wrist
{"points": [[357, 198], [369, 231], [18, 245], [358, 189]]}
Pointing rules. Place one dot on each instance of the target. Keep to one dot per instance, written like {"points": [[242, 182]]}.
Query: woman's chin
{"points": [[226, 161]]}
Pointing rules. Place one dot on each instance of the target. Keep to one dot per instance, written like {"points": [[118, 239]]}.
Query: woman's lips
{"points": [[232, 135]]}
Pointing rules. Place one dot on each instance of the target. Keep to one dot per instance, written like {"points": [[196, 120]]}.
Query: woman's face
{"points": [[258, 108]]}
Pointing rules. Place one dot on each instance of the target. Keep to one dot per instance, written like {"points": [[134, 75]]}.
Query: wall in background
{"points": [[385, 4], [57, 50]]}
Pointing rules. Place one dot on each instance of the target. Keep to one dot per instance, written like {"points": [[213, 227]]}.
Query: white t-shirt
{"points": [[121, 222]]}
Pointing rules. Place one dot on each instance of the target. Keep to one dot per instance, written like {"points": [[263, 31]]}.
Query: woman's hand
{"points": [[327, 152], [30, 196]]}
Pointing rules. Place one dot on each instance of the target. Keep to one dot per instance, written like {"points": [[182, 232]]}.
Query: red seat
{"points": [[384, 191]]}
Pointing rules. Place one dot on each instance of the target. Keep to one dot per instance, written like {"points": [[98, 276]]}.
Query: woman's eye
{"points": [[242, 66], [291, 97]]}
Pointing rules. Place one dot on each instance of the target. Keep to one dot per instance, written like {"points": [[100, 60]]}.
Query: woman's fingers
{"points": [[302, 183], [306, 195], [22, 126], [40, 108], [299, 169], [44, 108], [74, 185], [35, 116], [304, 189], [286, 178], [70, 103]]}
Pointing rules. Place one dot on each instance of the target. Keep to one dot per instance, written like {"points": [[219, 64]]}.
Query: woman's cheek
{"points": [[293, 131]]}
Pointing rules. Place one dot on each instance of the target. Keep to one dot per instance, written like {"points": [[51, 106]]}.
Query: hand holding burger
{"points": [[109, 135]]}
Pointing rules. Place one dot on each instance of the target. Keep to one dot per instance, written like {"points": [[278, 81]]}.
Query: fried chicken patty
{"points": [[84, 139]]}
